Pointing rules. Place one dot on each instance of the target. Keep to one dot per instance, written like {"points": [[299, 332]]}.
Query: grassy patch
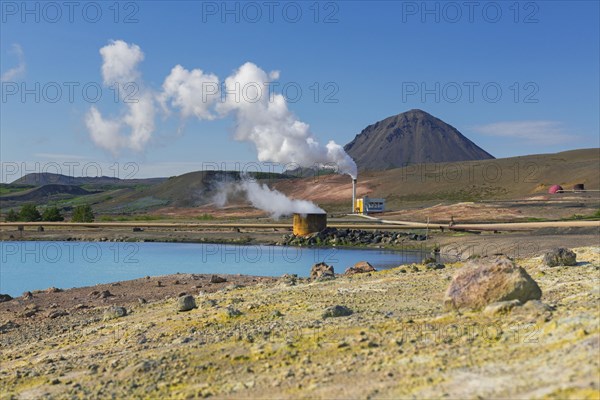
{"points": [[126, 218], [205, 217], [580, 217], [8, 188]]}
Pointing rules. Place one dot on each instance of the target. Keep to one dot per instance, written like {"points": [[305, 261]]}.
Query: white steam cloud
{"points": [[266, 199], [261, 117], [119, 67], [265, 120], [193, 92]]}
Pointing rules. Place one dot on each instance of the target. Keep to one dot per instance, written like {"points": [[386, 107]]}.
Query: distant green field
{"points": [[8, 188]]}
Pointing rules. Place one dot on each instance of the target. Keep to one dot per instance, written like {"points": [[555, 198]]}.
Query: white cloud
{"points": [[541, 132], [120, 64], [18, 71], [104, 133]]}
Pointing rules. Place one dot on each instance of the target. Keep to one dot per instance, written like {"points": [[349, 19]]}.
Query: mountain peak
{"points": [[414, 136]]}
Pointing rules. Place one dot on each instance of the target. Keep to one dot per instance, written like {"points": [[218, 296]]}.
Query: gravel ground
{"points": [[253, 337]]}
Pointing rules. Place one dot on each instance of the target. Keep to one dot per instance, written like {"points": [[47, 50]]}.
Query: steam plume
{"points": [[261, 117], [266, 199], [265, 120]]}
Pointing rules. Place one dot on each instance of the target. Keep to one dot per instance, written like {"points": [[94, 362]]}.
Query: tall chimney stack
{"points": [[353, 195]]}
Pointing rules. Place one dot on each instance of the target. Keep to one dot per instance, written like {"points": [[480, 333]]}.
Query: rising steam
{"points": [[266, 199], [261, 117]]}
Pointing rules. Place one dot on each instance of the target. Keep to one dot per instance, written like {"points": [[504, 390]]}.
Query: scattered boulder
{"points": [[113, 312], [336, 311], [5, 297], [27, 295], [429, 260], [360, 267], [232, 312], [322, 271], [435, 265], [100, 295], [560, 256], [8, 326], [186, 303], [53, 289], [217, 279], [490, 281], [289, 279], [57, 313], [30, 311]]}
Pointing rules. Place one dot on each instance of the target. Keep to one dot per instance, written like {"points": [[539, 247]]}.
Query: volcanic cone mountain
{"points": [[411, 137]]}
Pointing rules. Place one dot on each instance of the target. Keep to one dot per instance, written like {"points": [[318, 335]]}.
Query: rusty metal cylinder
{"points": [[305, 224]]}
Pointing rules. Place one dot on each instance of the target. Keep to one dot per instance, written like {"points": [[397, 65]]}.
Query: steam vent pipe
{"points": [[305, 224], [353, 195]]}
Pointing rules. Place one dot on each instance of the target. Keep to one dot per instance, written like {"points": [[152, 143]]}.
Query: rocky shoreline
{"points": [[289, 337]]}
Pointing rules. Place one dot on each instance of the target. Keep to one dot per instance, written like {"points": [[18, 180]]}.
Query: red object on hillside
{"points": [[555, 189]]}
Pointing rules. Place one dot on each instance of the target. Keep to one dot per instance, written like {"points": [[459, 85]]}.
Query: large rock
{"points": [[490, 281], [186, 303], [360, 267], [322, 271], [560, 256]]}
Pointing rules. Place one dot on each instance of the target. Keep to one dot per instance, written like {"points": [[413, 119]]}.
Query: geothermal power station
{"points": [[305, 224]]}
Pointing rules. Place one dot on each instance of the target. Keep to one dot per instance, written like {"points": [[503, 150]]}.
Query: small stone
{"points": [[217, 279], [231, 312], [5, 297], [101, 295], [435, 265], [186, 303], [57, 313], [559, 257], [53, 290], [337, 311], [289, 279], [8, 326], [360, 267], [113, 312], [322, 271]]}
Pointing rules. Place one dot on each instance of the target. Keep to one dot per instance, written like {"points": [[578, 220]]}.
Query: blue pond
{"points": [[39, 265]]}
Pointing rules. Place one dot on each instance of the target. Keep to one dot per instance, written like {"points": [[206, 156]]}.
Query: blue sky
{"points": [[516, 78]]}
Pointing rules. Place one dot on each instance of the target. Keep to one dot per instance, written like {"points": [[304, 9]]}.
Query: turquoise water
{"points": [[39, 265]]}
